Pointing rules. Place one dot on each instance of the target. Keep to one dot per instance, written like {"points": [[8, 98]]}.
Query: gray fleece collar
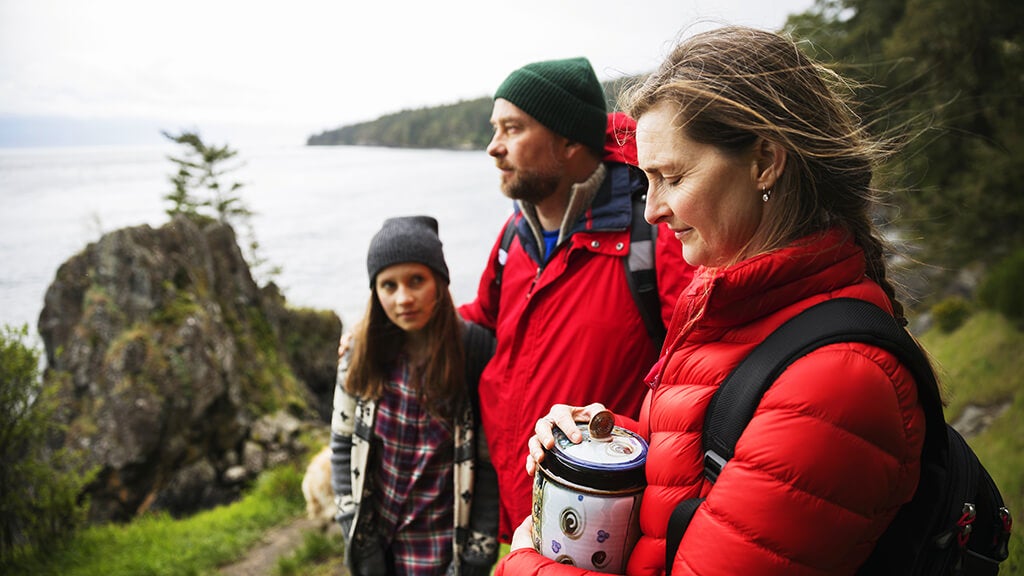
{"points": [[580, 198]]}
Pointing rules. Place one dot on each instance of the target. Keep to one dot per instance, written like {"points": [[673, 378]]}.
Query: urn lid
{"points": [[614, 462]]}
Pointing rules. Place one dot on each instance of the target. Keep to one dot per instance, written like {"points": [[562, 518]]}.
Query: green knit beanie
{"points": [[563, 95]]}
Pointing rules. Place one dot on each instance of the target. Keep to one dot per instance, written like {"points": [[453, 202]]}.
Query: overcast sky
{"points": [[297, 67]]}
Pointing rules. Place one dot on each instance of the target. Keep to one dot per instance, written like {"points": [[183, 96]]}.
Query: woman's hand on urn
{"points": [[565, 418]]}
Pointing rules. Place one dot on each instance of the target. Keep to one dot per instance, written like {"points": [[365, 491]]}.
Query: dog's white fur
{"points": [[316, 487]]}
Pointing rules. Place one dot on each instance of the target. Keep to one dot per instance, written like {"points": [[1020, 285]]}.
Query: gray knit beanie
{"points": [[563, 95], [406, 239]]}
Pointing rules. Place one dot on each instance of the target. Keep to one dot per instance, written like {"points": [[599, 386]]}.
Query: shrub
{"points": [[951, 313], [1003, 288], [39, 485]]}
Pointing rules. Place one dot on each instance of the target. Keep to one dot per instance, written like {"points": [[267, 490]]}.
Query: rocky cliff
{"points": [[179, 375]]}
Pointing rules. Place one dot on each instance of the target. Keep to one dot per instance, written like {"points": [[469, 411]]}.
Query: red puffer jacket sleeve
{"points": [[527, 561]]}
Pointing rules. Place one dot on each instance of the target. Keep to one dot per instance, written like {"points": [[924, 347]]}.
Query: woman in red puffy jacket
{"points": [[759, 167]]}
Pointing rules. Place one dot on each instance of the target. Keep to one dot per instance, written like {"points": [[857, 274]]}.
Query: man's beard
{"points": [[532, 187]]}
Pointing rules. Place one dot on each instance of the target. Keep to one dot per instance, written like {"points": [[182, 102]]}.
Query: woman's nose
{"points": [[654, 208]]}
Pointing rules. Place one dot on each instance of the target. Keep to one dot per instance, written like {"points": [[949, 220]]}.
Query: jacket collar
{"points": [[759, 286], [602, 203], [580, 197]]}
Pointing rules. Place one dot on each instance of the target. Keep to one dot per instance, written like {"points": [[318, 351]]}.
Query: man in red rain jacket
{"points": [[568, 329]]}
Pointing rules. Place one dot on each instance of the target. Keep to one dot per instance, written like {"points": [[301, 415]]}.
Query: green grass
{"points": [[319, 555], [159, 545], [981, 363]]}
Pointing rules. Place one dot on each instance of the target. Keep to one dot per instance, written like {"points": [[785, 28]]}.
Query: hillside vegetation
{"points": [[158, 545]]}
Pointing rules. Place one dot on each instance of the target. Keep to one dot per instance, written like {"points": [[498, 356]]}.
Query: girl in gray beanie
{"points": [[403, 431]]}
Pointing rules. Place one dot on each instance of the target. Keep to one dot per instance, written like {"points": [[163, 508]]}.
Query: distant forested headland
{"points": [[460, 126], [464, 125]]}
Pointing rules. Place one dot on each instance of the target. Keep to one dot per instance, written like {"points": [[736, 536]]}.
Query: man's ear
{"points": [[771, 162], [573, 149]]}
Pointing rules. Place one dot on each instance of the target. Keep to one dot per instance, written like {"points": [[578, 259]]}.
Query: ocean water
{"points": [[316, 209]]}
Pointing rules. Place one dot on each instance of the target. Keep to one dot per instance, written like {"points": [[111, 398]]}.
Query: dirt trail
{"points": [[278, 542]]}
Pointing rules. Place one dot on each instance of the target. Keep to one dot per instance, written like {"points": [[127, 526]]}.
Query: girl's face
{"points": [[710, 200], [408, 294]]}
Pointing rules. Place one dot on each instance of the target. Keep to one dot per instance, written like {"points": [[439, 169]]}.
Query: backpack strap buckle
{"points": [[713, 464]]}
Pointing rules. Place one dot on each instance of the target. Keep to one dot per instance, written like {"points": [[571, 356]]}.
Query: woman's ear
{"points": [[771, 162]]}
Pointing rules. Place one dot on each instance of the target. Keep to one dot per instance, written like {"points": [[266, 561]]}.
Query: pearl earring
{"points": [[767, 193]]}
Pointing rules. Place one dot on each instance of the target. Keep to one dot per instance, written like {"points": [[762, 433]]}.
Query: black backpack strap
{"points": [[838, 320], [678, 521], [479, 346], [506, 242], [641, 273]]}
